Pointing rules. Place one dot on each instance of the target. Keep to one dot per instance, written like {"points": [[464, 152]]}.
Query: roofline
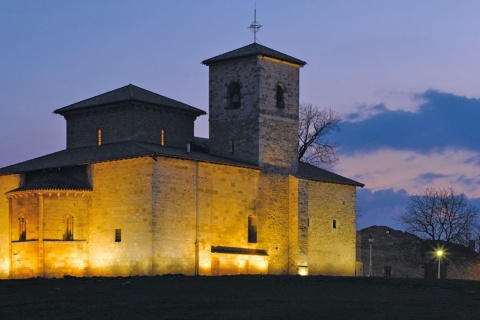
{"points": [[152, 155], [81, 109]]}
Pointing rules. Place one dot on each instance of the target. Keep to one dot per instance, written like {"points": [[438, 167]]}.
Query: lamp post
{"points": [[370, 267], [439, 255]]}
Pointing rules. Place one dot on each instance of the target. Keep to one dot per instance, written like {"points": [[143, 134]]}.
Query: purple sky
{"points": [[404, 74]]}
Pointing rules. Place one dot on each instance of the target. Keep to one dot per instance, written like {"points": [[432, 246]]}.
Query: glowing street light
{"points": [[370, 267], [439, 255]]}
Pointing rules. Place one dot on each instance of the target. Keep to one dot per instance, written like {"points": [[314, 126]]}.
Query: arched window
{"points": [[280, 96], [234, 96], [68, 234], [99, 137], [252, 229], [162, 138], [22, 229]]}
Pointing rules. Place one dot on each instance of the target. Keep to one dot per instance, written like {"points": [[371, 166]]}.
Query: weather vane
{"points": [[255, 25]]}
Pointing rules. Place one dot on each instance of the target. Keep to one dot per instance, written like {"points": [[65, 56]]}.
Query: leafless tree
{"points": [[314, 126], [441, 214]]}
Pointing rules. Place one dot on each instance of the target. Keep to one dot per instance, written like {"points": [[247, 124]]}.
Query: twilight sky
{"points": [[404, 74]]}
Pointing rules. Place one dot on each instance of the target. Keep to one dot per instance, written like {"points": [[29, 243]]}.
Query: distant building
{"points": [[403, 255], [135, 193]]}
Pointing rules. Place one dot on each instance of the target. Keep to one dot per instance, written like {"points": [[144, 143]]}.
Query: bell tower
{"points": [[254, 98]]}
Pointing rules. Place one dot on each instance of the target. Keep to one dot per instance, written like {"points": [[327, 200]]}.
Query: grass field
{"points": [[239, 297]]}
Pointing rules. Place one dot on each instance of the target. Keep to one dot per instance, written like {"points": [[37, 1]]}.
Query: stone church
{"points": [[135, 193]]}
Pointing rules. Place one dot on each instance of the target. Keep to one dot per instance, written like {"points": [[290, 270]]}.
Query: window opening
{"points": [[334, 224], [252, 229], [22, 229], [388, 271], [162, 138], [233, 146], [280, 96], [68, 235], [234, 97], [118, 235], [99, 137]]}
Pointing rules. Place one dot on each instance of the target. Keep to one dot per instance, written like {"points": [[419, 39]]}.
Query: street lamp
{"points": [[370, 267], [439, 255]]}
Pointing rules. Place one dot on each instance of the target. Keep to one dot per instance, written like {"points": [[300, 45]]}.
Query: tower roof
{"points": [[129, 93], [252, 50]]}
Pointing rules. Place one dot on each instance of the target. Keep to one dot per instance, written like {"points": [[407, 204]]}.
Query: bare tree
{"points": [[441, 214], [314, 126]]}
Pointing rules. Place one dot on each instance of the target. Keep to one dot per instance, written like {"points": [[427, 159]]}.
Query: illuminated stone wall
{"points": [[181, 216], [7, 183], [331, 248], [122, 199], [220, 198], [261, 132]]}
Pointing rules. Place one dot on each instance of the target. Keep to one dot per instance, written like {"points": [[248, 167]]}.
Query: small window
{"points": [[387, 231], [22, 229], [388, 271], [233, 146], [234, 97], [334, 224], [162, 138], [99, 137], [280, 96], [252, 229], [118, 235], [68, 234]]}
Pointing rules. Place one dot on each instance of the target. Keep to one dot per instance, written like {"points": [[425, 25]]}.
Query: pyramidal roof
{"points": [[252, 50], [128, 93]]}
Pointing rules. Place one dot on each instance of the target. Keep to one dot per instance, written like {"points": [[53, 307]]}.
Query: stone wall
{"points": [[331, 229], [238, 125], [258, 132], [407, 256], [128, 121], [199, 206], [121, 200], [7, 183], [392, 249]]}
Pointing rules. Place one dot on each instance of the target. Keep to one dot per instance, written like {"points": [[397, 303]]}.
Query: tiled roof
{"points": [[308, 172], [253, 49], [131, 149], [109, 152], [56, 180], [129, 93]]}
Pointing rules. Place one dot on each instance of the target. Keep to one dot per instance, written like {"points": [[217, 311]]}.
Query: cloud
{"points": [[443, 120], [412, 171], [398, 153], [380, 207], [429, 177]]}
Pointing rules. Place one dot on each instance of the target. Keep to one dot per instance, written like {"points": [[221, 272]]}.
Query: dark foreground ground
{"points": [[239, 297]]}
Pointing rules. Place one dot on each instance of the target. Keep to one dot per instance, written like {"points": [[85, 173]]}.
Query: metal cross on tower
{"points": [[255, 25]]}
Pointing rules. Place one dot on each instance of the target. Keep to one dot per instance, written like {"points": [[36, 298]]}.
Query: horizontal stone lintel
{"points": [[235, 250]]}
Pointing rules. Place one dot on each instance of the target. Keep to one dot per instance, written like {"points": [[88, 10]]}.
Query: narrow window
{"points": [[388, 271], [280, 96], [252, 229], [22, 229], [234, 97], [99, 137], [334, 224], [233, 146], [68, 234], [162, 138], [118, 235]]}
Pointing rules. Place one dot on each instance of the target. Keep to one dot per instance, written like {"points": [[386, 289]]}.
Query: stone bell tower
{"points": [[254, 98]]}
